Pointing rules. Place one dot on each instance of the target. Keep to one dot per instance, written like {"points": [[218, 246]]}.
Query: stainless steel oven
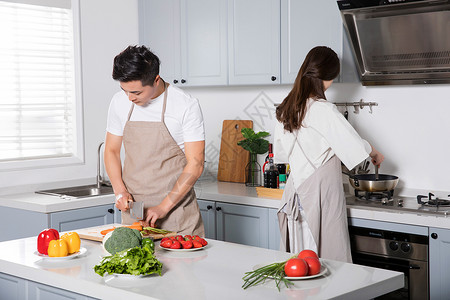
{"points": [[397, 251]]}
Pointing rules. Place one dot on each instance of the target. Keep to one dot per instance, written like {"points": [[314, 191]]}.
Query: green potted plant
{"points": [[255, 144]]}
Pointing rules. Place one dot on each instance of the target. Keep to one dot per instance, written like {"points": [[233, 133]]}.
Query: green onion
{"points": [[156, 230], [274, 270]]}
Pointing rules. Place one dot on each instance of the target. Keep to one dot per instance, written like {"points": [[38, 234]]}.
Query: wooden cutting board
{"points": [[93, 233], [233, 158]]}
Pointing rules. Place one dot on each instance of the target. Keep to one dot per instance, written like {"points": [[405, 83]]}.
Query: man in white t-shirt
{"points": [[161, 128]]}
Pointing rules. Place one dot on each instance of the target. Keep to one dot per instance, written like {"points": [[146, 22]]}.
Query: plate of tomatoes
{"points": [[183, 243]]}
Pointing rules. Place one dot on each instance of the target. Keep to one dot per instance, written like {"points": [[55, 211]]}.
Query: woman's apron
{"points": [[315, 214], [153, 162]]}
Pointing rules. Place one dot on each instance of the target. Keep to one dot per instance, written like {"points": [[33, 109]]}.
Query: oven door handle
{"points": [[414, 267]]}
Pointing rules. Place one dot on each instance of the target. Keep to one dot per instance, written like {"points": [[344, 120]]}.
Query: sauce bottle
{"points": [[270, 173]]}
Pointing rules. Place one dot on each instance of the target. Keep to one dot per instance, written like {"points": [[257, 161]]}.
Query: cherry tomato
{"points": [[167, 243], [197, 244], [176, 245], [187, 244], [296, 267], [313, 265], [307, 253]]}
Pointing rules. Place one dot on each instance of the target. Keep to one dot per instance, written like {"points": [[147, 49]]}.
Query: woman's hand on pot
{"points": [[377, 157], [122, 200]]}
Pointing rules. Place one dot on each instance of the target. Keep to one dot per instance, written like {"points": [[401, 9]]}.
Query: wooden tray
{"points": [[93, 233], [269, 193]]}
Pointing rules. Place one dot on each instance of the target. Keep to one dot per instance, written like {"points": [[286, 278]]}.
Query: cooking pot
{"points": [[373, 182]]}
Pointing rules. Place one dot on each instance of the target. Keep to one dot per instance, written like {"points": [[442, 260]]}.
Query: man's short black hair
{"points": [[136, 63]]}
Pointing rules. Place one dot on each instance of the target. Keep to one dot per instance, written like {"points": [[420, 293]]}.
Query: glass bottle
{"points": [[270, 174]]}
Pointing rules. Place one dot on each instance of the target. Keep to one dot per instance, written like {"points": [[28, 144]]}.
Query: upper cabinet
{"points": [[189, 37], [254, 41], [235, 42], [305, 25]]}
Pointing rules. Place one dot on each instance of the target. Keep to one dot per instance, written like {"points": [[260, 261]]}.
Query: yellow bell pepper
{"points": [[73, 241], [58, 248]]}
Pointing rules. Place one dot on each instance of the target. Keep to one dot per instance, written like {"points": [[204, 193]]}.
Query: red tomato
{"points": [[307, 253], [176, 245], [197, 244], [296, 267], [166, 244], [313, 265], [187, 245]]}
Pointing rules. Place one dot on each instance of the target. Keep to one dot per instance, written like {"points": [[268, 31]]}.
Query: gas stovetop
{"points": [[426, 204]]}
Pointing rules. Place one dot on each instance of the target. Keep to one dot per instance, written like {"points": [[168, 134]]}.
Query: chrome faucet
{"points": [[100, 180]]}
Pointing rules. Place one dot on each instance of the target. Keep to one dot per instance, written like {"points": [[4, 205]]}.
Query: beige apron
{"points": [[153, 162], [321, 197]]}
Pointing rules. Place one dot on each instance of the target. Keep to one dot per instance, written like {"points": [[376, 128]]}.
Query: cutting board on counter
{"points": [[93, 233], [233, 158]]}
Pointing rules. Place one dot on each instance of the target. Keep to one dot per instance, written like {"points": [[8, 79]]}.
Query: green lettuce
{"points": [[133, 261]]}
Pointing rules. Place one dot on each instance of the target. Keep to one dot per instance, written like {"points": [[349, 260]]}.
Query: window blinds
{"points": [[37, 85]]}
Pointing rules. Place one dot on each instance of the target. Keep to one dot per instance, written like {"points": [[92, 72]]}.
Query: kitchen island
{"points": [[214, 272]]}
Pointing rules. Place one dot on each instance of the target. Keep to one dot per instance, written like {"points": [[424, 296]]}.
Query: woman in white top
{"points": [[314, 138]]}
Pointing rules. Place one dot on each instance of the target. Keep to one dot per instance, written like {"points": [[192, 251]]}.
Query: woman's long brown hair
{"points": [[321, 63]]}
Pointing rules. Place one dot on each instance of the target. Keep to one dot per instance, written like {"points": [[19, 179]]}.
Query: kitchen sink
{"points": [[79, 191]]}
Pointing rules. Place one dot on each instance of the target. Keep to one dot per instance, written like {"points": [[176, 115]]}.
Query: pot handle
{"points": [[355, 179]]}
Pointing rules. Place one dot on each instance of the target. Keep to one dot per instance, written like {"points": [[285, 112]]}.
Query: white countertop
{"points": [[211, 273], [228, 192], [48, 204]]}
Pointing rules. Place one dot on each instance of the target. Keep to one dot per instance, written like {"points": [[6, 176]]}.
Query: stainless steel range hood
{"points": [[399, 42]]}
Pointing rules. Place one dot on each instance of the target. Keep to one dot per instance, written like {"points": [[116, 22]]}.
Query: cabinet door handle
{"points": [[111, 211], [434, 235], [183, 81], [209, 207], [273, 78], [218, 208], [175, 81]]}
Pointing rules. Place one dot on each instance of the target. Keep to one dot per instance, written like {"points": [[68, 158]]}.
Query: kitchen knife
{"points": [[137, 210]]}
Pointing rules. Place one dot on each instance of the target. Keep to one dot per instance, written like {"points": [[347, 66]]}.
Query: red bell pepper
{"points": [[44, 239]]}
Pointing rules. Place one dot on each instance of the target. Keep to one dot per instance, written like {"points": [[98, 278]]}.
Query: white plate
{"points": [[127, 276], [183, 250], [323, 270], [73, 255]]}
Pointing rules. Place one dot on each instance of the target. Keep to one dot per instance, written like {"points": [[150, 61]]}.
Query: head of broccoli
{"points": [[123, 238]]}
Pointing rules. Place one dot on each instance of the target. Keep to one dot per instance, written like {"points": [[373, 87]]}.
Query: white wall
{"points": [[410, 125], [107, 27]]}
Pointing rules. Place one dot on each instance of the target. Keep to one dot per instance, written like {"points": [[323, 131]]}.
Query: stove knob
{"points": [[393, 246], [406, 247], [434, 235]]}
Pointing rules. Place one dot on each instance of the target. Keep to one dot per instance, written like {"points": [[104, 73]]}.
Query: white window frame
{"points": [[78, 157]]}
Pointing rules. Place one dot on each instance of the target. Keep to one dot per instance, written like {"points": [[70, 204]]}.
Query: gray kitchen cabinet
{"points": [[439, 260], [254, 42], [14, 288], [30, 223], [274, 230], [305, 25], [242, 224], [208, 212], [189, 37], [82, 217]]}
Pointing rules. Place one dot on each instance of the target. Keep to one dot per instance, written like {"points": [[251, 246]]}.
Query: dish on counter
{"points": [[323, 271], [182, 250], [61, 258]]}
